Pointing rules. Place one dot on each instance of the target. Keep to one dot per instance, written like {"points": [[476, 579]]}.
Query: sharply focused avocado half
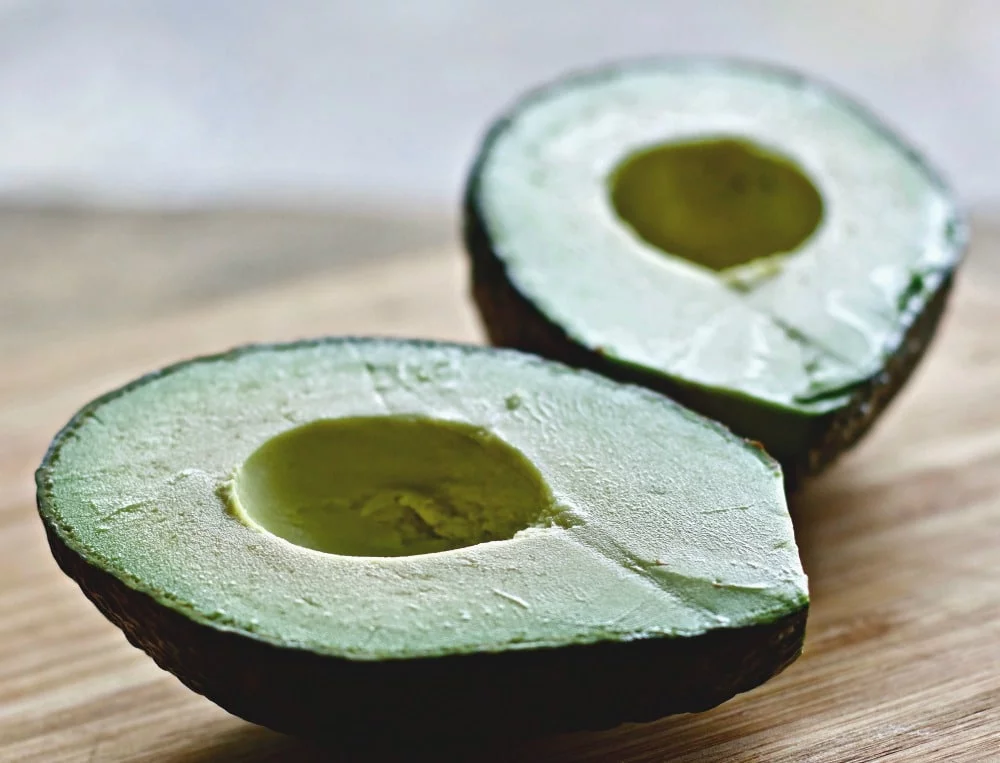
{"points": [[739, 237], [373, 538]]}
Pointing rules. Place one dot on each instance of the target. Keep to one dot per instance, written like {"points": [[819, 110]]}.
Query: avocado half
{"points": [[741, 238], [366, 539]]}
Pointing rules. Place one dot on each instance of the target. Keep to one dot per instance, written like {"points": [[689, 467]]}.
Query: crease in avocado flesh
{"points": [[720, 203], [358, 520], [746, 240], [388, 486], [739, 209]]}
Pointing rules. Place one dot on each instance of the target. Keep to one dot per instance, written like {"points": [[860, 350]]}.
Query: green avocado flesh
{"points": [[388, 486], [718, 203], [745, 240], [380, 514]]}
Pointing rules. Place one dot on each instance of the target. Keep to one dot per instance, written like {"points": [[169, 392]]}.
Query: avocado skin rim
{"points": [[520, 693], [362, 704], [512, 320]]}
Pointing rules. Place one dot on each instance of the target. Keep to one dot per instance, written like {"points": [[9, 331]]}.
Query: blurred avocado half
{"points": [[742, 238]]}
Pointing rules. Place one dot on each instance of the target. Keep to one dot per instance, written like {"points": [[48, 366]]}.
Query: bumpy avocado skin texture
{"points": [[431, 700], [804, 442], [460, 699]]}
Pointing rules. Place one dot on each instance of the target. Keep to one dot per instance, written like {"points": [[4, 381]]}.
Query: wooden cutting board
{"points": [[901, 540]]}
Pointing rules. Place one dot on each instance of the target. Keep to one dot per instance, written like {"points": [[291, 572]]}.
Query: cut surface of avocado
{"points": [[388, 486], [718, 203], [370, 521], [749, 241]]}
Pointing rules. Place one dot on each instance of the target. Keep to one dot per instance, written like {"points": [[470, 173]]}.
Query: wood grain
{"points": [[901, 540]]}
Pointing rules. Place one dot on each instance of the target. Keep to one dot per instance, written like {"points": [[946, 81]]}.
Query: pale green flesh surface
{"points": [[665, 525], [389, 486], [799, 331]]}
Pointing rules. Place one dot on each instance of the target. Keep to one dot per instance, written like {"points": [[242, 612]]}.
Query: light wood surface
{"points": [[901, 540]]}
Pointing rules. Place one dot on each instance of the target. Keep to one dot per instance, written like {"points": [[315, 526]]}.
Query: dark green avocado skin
{"points": [[446, 699], [804, 445], [458, 699]]}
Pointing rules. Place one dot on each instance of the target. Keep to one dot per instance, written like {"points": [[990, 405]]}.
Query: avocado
{"points": [[355, 539], [748, 241]]}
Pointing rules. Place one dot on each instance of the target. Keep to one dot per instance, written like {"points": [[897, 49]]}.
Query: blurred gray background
{"points": [[379, 104]]}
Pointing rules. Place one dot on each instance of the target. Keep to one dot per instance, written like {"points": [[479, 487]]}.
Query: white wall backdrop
{"points": [[193, 101]]}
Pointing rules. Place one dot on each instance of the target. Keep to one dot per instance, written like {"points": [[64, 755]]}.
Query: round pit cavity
{"points": [[389, 486], [719, 203]]}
